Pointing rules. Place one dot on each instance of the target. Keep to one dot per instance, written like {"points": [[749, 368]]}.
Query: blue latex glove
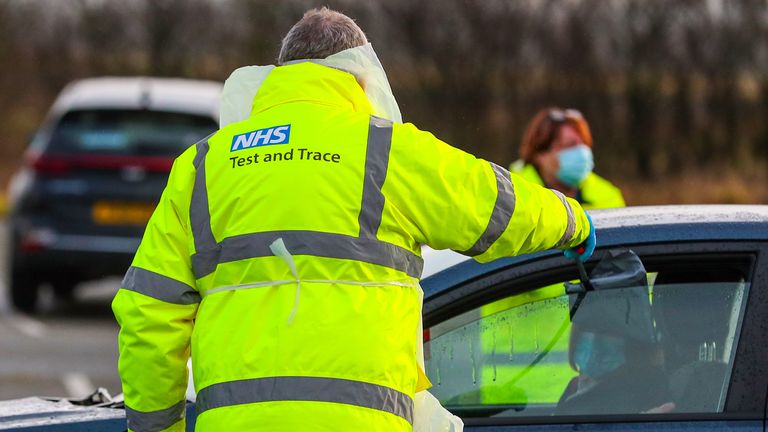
{"points": [[583, 251]]}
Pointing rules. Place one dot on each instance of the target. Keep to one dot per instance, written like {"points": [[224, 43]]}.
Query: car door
{"points": [[684, 350]]}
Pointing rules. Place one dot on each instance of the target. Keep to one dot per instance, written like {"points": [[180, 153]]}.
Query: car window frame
{"points": [[746, 398]]}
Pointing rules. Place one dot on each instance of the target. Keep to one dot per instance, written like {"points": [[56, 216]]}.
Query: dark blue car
{"points": [[520, 345], [93, 174], [677, 340]]}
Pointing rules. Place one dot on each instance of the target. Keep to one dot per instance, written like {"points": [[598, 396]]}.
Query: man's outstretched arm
{"points": [[457, 201]]}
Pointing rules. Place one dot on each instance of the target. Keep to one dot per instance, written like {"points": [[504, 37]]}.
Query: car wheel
{"points": [[24, 290], [64, 289]]}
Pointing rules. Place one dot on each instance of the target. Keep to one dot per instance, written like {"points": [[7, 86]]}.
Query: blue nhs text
{"points": [[261, 137]]}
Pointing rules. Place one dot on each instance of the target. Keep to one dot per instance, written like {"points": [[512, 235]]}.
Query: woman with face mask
{"points": [[556, 152]]}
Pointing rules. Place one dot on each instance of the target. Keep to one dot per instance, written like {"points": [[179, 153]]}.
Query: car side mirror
{"points": [[619, 268], [618, 301]]}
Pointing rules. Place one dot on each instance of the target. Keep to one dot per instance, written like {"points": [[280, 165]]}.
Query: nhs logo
{"points": [[262, 137]]}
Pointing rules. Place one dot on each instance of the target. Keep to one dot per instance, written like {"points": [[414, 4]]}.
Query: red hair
{"points": [[545, 125]]}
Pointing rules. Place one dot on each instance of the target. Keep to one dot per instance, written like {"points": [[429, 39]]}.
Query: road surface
{"points": [[67, 350]]}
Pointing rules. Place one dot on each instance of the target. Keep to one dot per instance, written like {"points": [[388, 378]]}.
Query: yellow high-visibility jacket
{"points": [[284, 255], [595, 192]]}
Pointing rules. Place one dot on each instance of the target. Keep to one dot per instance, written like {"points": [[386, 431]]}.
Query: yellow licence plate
{"points": [[121, 213]]}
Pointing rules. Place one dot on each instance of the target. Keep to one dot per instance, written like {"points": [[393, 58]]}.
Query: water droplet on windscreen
{"points": [[493, 355], [474, 364], [511, 349]]}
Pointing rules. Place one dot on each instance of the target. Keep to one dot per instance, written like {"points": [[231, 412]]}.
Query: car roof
{"points": [[161, 94], [42, 414], [629, 225]]}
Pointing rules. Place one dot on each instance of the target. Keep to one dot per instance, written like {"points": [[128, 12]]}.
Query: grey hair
{"points": [[318, 34]]}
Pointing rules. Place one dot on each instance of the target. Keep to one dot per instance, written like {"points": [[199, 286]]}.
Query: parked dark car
{"points": [[93, 175], [502, 339]]}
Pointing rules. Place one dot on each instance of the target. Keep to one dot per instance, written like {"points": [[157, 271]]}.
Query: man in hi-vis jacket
{"points": [[284, 254]]}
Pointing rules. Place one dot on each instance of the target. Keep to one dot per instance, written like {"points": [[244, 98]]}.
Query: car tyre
{"points": [[64, 290], [24, 290]]}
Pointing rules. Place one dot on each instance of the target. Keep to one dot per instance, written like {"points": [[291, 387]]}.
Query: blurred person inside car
{"points": [[617, 374], [614, 347], [556, 152]]}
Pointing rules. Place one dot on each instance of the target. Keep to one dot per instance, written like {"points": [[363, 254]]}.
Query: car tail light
{"points": [[48, 165], [37, 240], [426, 335], [57, 165], [148, 163]]}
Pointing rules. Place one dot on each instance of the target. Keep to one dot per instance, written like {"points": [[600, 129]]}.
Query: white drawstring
{"points": [[319, 281], [278, 248]]}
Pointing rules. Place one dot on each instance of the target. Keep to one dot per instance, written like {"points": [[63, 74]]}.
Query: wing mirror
{"points": [[613, 298]]}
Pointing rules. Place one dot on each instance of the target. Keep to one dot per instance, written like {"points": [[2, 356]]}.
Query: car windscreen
{"points": [[128, 132]]}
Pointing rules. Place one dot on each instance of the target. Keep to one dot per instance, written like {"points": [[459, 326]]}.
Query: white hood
{"points": [[243, 84]]}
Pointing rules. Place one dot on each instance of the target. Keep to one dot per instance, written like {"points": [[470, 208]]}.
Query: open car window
{"points": [[663, 347]]}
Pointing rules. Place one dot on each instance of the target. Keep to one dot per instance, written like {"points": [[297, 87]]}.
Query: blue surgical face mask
{"points": [[596, 355], [575, 164]]}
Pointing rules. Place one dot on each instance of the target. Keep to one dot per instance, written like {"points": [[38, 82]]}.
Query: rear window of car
{"points": [[128, 132], [664, 347]]}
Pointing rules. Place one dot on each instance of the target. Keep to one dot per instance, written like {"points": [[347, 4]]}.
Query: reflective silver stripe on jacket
{"points": [[307, 389], [312, 243], [159, 287], [376, 163], [501, 215], [570, 228], [365, 247], [199, 212], [154, 421]]}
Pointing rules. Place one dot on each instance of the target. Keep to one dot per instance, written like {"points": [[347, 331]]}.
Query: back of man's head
{"points": [[318, 34]]}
